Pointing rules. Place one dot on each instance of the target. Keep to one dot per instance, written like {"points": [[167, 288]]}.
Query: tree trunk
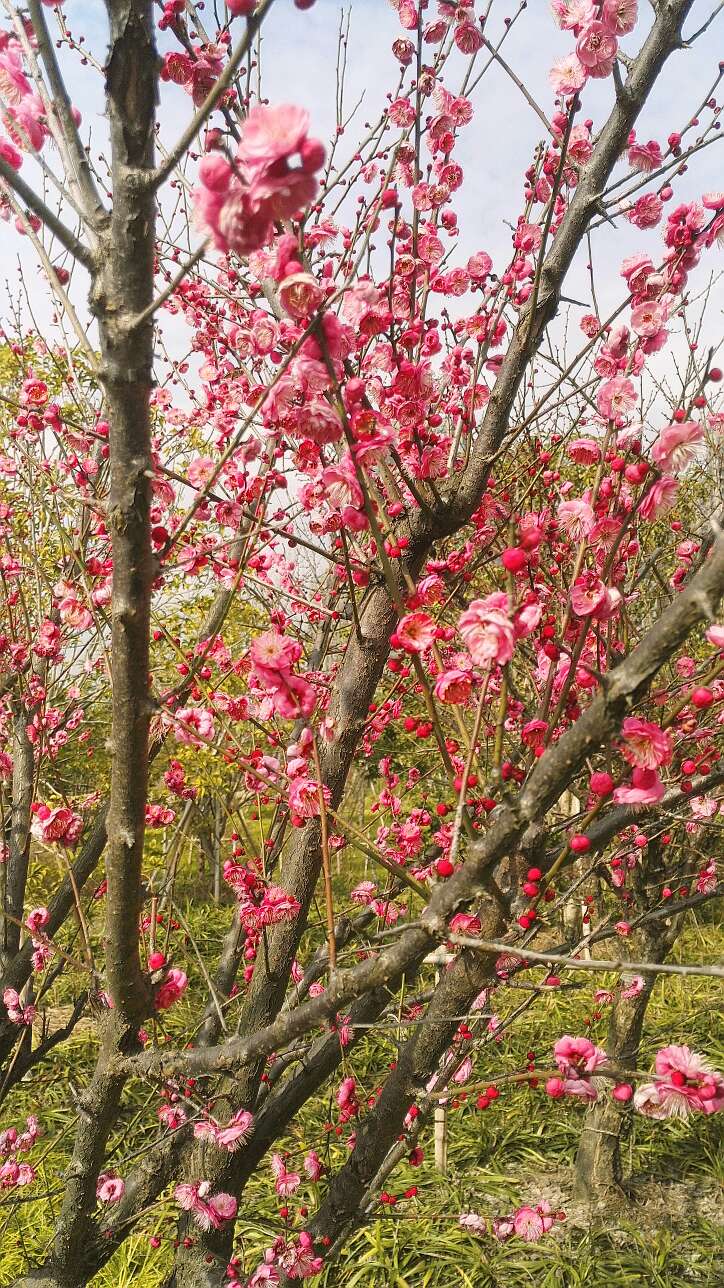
{"points": [[598, 1166]]}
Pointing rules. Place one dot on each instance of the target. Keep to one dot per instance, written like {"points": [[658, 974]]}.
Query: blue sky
{"points": [[299, 54]]}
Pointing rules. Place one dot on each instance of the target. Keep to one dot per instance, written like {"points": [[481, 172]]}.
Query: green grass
{"points": [[519, 1150]]}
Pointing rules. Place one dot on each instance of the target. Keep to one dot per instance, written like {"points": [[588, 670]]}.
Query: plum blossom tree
{"points": [[388, 506]]}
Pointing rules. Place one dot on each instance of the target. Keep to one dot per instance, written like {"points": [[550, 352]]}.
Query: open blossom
{"points": [[488, 631], [685, 1083], [596, 49], [236, 1132], [304, 797], [454, 686], [591, 598], [56, 825], [239, 204], [110, 1188], [620, 16], [577, 1059], [676, 446], [567, 75], [208, 1210], [645, 744], [616, 397], [285, 1183], [660, 498], [415, 632]]}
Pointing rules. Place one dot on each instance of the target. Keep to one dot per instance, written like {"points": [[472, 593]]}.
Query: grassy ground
{"points": [[520, 1150]]}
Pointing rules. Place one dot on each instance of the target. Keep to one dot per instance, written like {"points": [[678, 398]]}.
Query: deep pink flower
{"points": [[208, 1210], [645, 744], [415, 632], [645, 788]]}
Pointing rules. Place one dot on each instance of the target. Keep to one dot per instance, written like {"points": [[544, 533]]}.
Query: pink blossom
{"points": [[648, 318], [645, 744], [110, 1188], [208, 1210], [620, 16], [195, 726], [453, 686], [488, 631], [304, 797], [472, 1222], [646, 788], [171, 989], [59, 824], [660, 498], [313, 1165], [415, 632], [591, 598], [567, 75], [616, 397], [576, 517], [286, 1183], [596, 49], [715, 636], [584, 451], [646, 211], [577, 1059], [685, 1082], [676, 446], [528, 1224]]}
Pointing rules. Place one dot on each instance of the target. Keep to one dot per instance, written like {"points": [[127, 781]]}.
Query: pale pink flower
{"points": [[648, 318], [577, 1059], [596, 49], [715, 636], [488, 632], [209, 1210], [660, 498], [110, 1188], [576, 517], [567, 75], [616, 397], [591, 598], [685, 1082], [645, 743], [676, 446], [473, 1222]]}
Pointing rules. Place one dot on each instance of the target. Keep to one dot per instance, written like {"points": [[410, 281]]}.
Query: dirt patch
{"points": [[649, 1202]]}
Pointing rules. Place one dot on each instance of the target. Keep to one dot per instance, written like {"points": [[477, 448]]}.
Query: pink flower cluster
{"points": [[239, 201], [577, 1059], [209, 1211], [59, 825], [273, 656], [597, 28], [684, 1083], [528, 1223], [14, 1174], [230, 1137]]}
